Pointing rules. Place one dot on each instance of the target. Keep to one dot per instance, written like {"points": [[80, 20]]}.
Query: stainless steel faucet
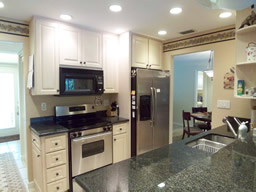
{"points": [[225, 120]]}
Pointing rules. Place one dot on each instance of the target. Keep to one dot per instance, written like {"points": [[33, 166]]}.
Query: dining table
{"points": [[203, 116]]}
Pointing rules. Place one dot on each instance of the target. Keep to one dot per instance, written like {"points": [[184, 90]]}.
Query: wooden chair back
{"points": [[199, 109], [186, 118]]}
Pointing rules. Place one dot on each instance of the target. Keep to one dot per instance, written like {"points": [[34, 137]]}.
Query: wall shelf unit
{"points": [[245, 70]]}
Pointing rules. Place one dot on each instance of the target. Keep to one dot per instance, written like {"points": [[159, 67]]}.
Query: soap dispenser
{"points": [[242, 131]]}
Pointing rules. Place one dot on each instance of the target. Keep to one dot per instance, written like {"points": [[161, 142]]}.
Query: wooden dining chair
{"points": [[186, 127], [196, 123]]}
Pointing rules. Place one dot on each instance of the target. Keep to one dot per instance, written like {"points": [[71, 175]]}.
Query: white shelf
{"points": [[245, 97], [246, 30], [247, 63]]}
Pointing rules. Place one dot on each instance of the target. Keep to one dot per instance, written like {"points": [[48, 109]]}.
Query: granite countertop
{"points": [[180, 168], [45, 126]]}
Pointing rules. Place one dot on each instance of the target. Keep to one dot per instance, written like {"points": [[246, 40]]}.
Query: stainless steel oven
{"points": [[91, 149], [81, 81]]}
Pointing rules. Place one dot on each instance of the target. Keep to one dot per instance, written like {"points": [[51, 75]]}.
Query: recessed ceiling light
{"points": [[162, 32], [1, 4], [225, 15], [176, 10], [65, 17], [115, 8]]}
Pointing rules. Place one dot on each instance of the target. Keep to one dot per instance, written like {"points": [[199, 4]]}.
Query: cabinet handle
{"points": [[81, 62], [57, 174], [57, 159], [57, 188], [114, 139], [84, 62], [56, 144], [38, 155]]}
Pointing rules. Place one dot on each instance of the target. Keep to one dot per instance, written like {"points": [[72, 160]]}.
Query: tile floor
{"points": [[14, 147]]}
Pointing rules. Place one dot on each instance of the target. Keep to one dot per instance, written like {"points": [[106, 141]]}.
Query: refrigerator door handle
{"points": [[155, 104], [152, 106]]}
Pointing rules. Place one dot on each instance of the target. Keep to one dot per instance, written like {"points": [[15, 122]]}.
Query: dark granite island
{"points": [[180, 168]]}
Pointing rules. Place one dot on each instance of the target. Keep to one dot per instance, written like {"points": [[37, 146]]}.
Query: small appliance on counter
{"points": [[113, 110]]}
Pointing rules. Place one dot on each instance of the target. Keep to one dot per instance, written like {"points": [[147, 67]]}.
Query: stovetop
{"points": [[83, 123]]}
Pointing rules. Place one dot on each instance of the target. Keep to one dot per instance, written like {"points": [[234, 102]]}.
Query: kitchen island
{"points": [[177, 167]]}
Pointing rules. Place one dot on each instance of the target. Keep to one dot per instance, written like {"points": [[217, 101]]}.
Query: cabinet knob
{"points": [[57, 188], [114, 139], [146, 65], [81, 62], [84, 62], [57, 159], [56, 144], [57, 174], [34, 139], [38, 155], [121, 129], [150, 66], [58, 90]]}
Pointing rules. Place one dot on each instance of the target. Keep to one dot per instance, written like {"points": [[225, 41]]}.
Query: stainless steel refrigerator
{"points": [[149, 109]]}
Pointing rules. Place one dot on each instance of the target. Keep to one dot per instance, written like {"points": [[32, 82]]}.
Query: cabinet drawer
{"points": [[35, 140], [58, 186], [56, 158], [55, 143], [119, 128], [56, 173]]}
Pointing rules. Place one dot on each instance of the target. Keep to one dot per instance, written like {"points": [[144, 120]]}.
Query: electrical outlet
{"points": [[43, 106], [223, 104]]}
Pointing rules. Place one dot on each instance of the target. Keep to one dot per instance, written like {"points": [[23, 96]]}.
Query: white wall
{"points": [[185, 83]]}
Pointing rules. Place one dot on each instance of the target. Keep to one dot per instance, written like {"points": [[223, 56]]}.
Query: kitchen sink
{"points": [[211, 143]]}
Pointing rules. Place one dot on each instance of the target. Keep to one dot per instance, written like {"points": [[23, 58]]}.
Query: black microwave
{"points": [[81, 81]]}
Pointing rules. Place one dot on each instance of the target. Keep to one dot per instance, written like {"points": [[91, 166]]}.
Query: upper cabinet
{"points": [[80, 48], [110, 63], [146, 53], [92, 49], [44, 47], [246, 63], [70, 45]]}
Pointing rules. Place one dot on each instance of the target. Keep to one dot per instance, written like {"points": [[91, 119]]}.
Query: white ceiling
{"points": [[140, 16]]}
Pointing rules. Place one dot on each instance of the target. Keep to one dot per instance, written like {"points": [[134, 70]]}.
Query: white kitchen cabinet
{"points": [[139, 51], [146, 53], [50, 162], [79, 47], [155, 51], [92, 49], [121, 149], [70, 45], [110, 63], [44, 46]]}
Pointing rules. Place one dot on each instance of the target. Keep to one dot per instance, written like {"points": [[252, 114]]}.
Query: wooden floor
{"points": [[9, 138]]}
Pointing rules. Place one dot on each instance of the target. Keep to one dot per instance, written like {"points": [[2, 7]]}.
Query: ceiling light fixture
{"points": [[115, 8], [1, 4], [225, 15], [162, 32], [65, 17], [176, 10]]}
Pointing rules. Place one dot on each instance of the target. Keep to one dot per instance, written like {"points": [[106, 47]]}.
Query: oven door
{"points": [[91, 152]]}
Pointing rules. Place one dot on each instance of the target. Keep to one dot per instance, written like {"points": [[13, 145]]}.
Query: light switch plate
{"points": [[223, 104], [106, 102], [43, 106]]}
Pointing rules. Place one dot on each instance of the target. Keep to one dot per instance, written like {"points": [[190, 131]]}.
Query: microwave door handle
{"points": [[91, 137]]}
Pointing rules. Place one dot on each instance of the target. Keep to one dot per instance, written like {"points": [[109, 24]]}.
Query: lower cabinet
{"points": [[121, 144], [50, 163]]}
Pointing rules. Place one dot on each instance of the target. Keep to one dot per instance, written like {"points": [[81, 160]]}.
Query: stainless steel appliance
{"points": [[150, 109], [81, 81], [90, 137]]}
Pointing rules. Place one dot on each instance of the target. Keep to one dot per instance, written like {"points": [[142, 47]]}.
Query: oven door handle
{"points": [[91, 136]]}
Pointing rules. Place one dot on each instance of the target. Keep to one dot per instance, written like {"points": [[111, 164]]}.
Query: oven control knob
{"points": [[79, 134], [74, 135], [104, 128]]}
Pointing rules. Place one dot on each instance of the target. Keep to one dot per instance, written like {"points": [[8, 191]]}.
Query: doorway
{"points": [[192, 86]]}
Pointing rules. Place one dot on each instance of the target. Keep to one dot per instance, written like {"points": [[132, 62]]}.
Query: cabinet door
{"points": [[120, 147], [92, 49], [70, 45], [139, 51], [155, 54], [46, 58], [37, 167], [110, 64]]}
